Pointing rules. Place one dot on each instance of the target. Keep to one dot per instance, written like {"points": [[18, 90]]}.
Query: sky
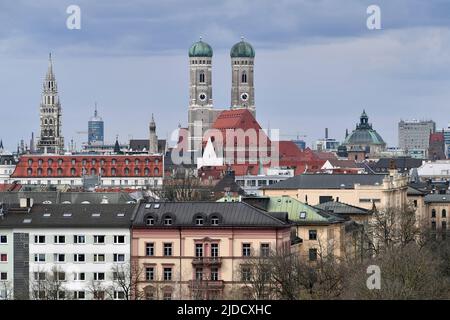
{"points": [[317, 64]]}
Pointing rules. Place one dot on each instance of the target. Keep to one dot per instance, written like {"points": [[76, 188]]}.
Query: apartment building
{"points": [[201, 250], [65, 251]]}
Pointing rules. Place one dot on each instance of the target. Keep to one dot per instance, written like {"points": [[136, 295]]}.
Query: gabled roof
{"points": [[71, 216], [227, 183], [341, 208], [231, 214], [327, 181]]}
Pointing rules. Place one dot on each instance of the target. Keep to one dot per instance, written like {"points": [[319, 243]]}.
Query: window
{"points": [[199, 250], [78, 239], [118, 276], [202, 77], [167, 295], [99, 276], [59, 257], [150, 273], [39, 257], [79, 276], [312, 234], [246, 249], [119, 257], [79, 295], [199, 274], [60, 276], [39, 276], [215, 221], [3, 276], [119, 295], [167, 221], [3, 257], [214, 250], [79, 257], [150, 221], [199, 221], [444, 225], [99, 239], [433, 225], [312, 254], [99, 257], [39, 239], [265, 249], [167, 249], [244, 77], [119, 239], [215, 274], [149, 249], [302, 215], [3, 239], [444, 213], [433, 213], [167, 274], [60, 239], [246, 274], [99, 295]]}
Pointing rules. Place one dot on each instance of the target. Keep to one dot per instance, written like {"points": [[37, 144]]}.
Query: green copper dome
{"points": [[200, 49], [364, 134], [242, 49]]}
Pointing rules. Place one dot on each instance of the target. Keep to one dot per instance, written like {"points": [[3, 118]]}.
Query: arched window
{"points": [[244, 77], [93, 172], [444, 213], [147, 161], [433, 213], [202, 77], [73, 171], [167, 221], [60, 172], [127, 161], [45, 121], [156, 171], [102, 171], [50, 121], [39, 171], [113, 172], [136, 171], [136, 162], [29, 171], [199, 220], [49, 171], [30, 162], [50, 132], [150, 220], [50, 162], [146, 171], [127, 171], [60, 162], [45, 133], [214, 220]]}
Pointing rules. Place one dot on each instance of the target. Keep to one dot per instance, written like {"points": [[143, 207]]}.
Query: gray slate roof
{"points": [[81, 216], [231, 214], [327, 181], [72, 197], [341, 208], [439, 198]]}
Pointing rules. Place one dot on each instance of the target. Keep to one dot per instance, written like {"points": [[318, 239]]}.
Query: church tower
{"points": [[153, 139], [50, 139], [242, 87], [201, 113]]}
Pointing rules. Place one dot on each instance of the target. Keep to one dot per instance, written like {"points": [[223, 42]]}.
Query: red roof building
{"points": [[112, 170]]}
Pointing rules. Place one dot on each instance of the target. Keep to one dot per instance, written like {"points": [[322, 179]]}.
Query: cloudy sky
{"points": [[317, 65]]}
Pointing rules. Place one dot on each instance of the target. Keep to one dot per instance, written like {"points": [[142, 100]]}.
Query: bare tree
{"points": [[49, 285], [184, 188], [125, 278]]}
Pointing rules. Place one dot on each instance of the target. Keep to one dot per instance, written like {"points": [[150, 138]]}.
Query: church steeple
{"points": [[50, 139], [153, 139]]}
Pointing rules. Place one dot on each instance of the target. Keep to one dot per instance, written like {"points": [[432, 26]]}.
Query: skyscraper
{"points": [[50, 139], [96, 129], [414, 135]]}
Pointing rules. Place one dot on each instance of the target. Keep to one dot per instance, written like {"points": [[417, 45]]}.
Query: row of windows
{"points": [[93, 171], [79, 257], [113, 182], [200, 61], [79, 295], [168, 220], [443, 213], [443, 225], [93, 161], [245, 62], [79, 239]]}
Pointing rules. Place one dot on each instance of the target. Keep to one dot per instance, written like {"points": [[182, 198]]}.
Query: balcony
{"points": [[207, 261], [206, 284]]}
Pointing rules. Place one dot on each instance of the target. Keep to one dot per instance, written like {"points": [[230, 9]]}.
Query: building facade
{"points": [[135, 171], [96, 130], [200, 250], [414, 135]]}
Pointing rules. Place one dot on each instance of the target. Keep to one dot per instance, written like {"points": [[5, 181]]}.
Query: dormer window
{"points": [[168, 221], [215, 221], [150, 221], [199, 221], [302, 215]]}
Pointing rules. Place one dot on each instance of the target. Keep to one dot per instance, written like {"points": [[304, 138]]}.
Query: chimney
{"points": [[326, 133]]}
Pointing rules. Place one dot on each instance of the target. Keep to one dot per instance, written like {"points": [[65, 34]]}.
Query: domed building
{"points": [[364, 141]]}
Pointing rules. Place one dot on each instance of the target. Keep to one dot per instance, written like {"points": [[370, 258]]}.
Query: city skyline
{"points": [[328, 75]]}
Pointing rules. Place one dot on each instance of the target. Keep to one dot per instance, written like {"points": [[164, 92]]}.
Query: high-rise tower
{"points": [[96, 129], [242, 86], [50, 139]]}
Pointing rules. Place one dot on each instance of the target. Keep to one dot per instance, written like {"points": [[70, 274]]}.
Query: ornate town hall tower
{"points": [[50, 139]]}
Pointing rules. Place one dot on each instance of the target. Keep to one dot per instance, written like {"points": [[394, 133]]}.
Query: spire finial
{"points": [[95, 111], [1, 144]]}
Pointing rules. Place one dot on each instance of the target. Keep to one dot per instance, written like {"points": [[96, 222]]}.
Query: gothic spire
{"points": [[50, 75], [1, 144]]}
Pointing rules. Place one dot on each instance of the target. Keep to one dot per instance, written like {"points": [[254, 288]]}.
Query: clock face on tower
{"points": [[202, 96], [244, 96]]}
